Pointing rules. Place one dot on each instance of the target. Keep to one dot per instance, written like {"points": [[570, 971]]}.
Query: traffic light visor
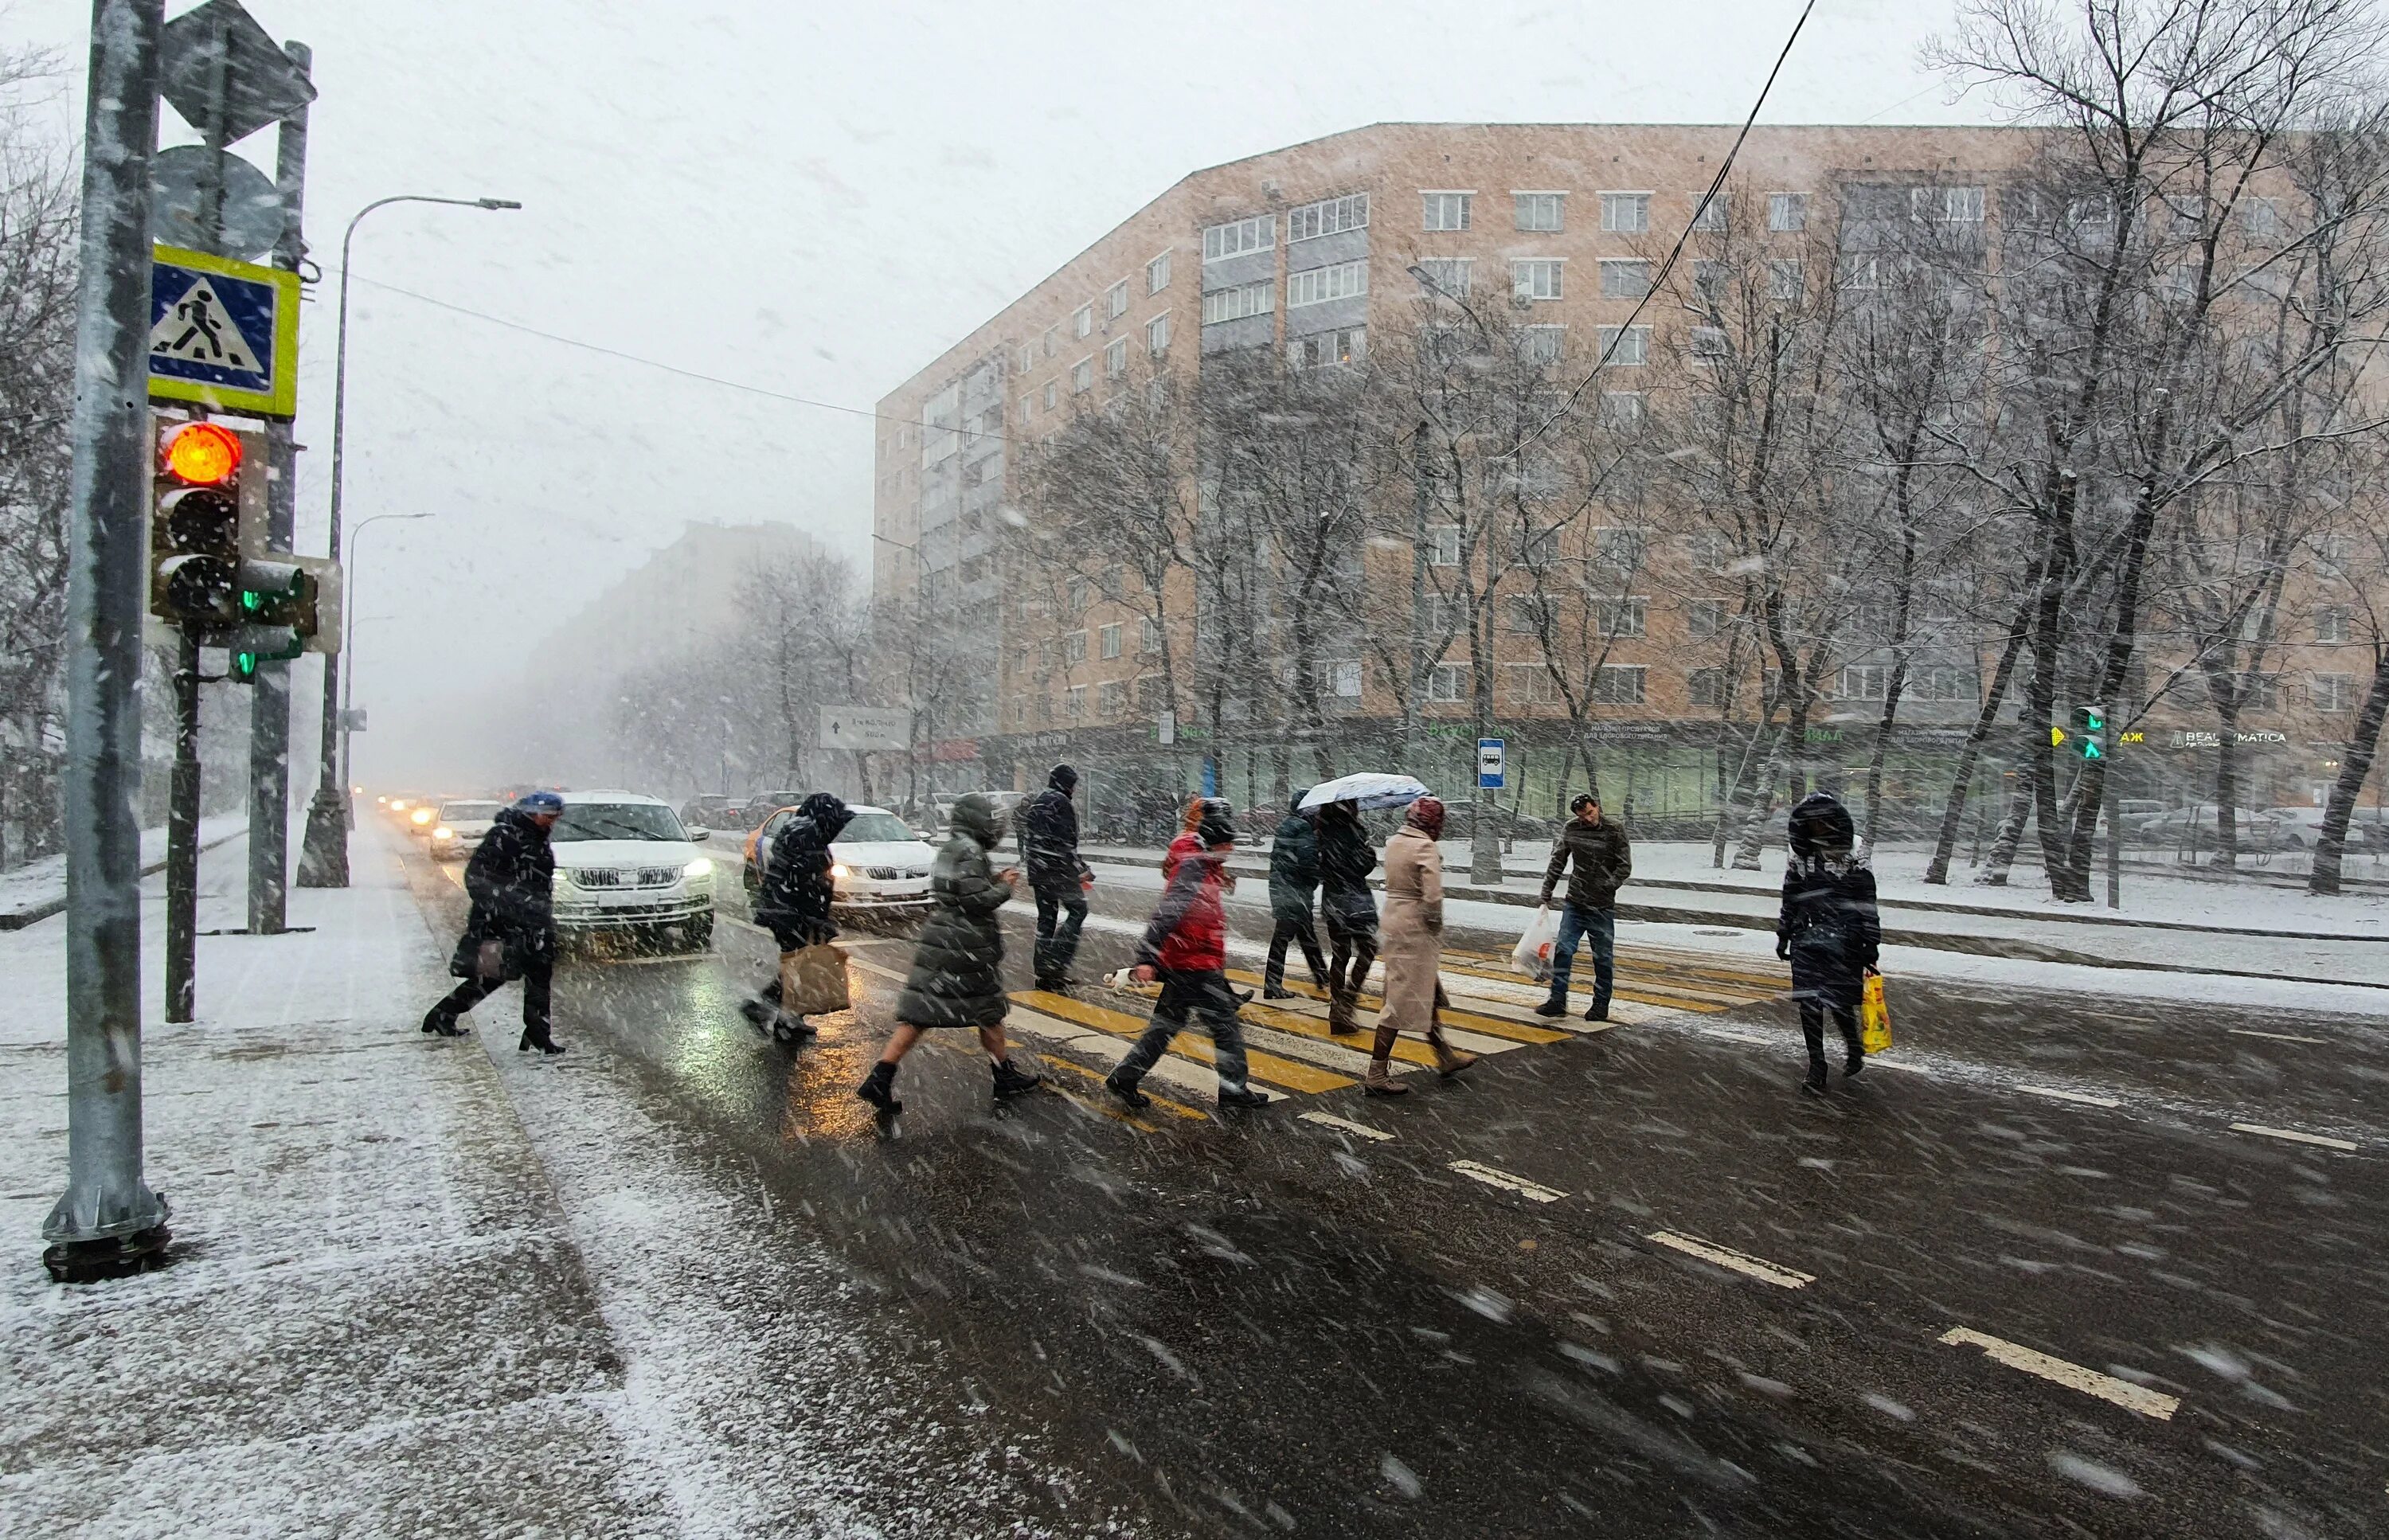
{"points": [[201, 454]]}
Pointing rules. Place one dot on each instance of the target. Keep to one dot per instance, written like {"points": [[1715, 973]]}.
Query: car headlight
{"points": [[421, 815], [840, 870], [698, 868], [444, 832]]}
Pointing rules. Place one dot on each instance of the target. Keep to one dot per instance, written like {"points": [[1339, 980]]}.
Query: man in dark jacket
{"points": [[1604, 862], [1186, 947], [1345, 859], [795, 900], [1294, 876], [511, 933], [1049, 852]]}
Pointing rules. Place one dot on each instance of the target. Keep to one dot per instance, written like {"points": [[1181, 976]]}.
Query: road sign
{"points": [[1492, 761], [250, 215], [226, 74], [1165, 728], [865, 728], [222, 334]]}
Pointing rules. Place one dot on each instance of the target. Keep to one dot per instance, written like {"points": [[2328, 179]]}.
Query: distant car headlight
{"points": [[840, 870], [444, 832], [421, 815], [698, 868]]}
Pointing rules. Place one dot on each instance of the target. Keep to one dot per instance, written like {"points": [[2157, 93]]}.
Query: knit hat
{"points": [[1426, 817]]}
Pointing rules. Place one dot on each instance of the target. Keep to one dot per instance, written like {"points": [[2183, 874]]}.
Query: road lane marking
{"points": [[1268, 1068], [1506, 1182], [2083, 1097], [1113, 1108], [1735, 1034], [2089, 1382], [1360, 1130], [2277, 1036], [1734, 1261], [2291, 1134]]}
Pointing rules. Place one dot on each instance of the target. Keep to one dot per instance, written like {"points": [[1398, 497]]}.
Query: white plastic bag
{"points": [[1532, 956]]}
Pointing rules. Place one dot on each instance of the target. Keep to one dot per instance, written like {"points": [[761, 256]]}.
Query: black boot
{"points": [[1556, 1006], [1853, 1057], [879, 1088], [1599, 1009], [1815, 1084], [758, 1013], [1274, 991], [1011, 1081], [1126, 1090], [541, 1039], [793, 1029], [439, 1024]]}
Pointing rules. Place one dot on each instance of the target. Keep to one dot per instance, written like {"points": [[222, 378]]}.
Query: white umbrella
{"points": [[1370, 789]]}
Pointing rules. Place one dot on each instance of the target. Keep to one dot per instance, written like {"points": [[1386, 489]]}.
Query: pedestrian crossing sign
{"points": [[222, 334]]}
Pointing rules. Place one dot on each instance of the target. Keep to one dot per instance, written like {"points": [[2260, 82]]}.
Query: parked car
{"points": [[2366, 832], [459, 828], [762, 805], [881, 865], [624, 863], [2194, 830], [707, 812]]}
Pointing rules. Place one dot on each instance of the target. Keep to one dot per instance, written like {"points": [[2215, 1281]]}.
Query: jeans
{"points": [[537, 977], [1185, 995], [1290, 930], [1060, 913], [1599, 926]]}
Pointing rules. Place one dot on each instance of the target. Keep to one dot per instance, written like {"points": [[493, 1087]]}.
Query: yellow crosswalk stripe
{"points": [[1510, 1032], [1268, 1068], [1405, 1049], [1119, 1113]]}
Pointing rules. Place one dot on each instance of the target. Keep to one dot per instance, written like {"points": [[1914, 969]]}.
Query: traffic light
{"points": [[2090, 731], [194, 525]]}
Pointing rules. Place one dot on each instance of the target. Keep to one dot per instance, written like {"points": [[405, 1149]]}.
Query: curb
{"points": [[19, 919]]}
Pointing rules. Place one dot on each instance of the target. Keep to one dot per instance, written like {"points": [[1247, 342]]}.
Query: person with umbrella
{"points": [[1293, 877], [1346, 860]]}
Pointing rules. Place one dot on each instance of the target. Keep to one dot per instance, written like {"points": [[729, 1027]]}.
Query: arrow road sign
{"points": [[223, 333], [865, 728], [226, 74]]}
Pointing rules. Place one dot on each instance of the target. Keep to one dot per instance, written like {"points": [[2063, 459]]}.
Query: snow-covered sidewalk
{"points": [[38, 889]]}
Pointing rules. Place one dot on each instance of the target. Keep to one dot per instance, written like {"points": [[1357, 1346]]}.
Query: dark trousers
{"points": [[1185, 996], [537, 978], [1353, 943], [1060, 913], [1813, 1026], [1291, 930]]}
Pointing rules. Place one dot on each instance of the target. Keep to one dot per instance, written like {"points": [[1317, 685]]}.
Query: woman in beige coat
{"points": [[1411, 949]]}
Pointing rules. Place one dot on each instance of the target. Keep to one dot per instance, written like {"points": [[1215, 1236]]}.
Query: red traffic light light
{"points": [[200, 454]]}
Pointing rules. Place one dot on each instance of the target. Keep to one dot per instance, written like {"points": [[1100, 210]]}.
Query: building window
{"points": [[1787, 212], [2262, 216], [1346, 677], [1028, 359], [1149, 636], [2331, 623], [1440, 615], [2334, 692], [1445, 211], [1075, 710], [1443, 544], [1625, 347], [1082, 320], [1709, 281], [1111, 699], [1704, 618], [1785, 279], [1537, 280], [1540, 344], [1538, 211], [1709, 345], [1319, 285], [1620, 616], [1082, 376], [1327, 217], [1074, 648], [1621, 409], [1624, 279], [1618, 686], [1867, 681], [1116, 358], [1326, 349], [1626, 213], [1236, 305], [1962, 204], [1532, 684], [1108, 641], [1448, 277], [1052, 394], [1943, 682], [1156, 274], [1448, 681], [1711, 215], [1523, 614], [1116, 301], [1239, 236], [1156, 336], [1704, 687], [1617, 548]]}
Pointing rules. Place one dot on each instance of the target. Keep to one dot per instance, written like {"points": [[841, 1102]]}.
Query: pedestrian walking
{"points": [[511, 931], [795, 900], [956, 979], [1059, 879], [1344, 902], [1414, 950], [1603, 861], [1293, 877], [1185, 947], [1830, 929]]}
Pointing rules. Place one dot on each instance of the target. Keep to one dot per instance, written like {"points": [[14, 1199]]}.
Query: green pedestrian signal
{"points": [[2090, 731]]}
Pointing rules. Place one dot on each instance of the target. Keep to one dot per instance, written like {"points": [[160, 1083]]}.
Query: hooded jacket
{"points": [[1830, 925], [1293, 865], [1604, 862], [511, 881], [1346, 860], [1049, 838], [1189, 930], [794, 902], [957, 974]]}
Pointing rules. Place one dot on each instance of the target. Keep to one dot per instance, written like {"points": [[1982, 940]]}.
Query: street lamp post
{"points": [[348, 651], [324, 859]]}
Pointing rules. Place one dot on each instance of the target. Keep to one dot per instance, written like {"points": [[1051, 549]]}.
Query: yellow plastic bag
{"points": [[1874, 1017]]}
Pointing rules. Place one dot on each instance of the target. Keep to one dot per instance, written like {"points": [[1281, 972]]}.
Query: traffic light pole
{"points": [[108, 1222], [183, 835]]}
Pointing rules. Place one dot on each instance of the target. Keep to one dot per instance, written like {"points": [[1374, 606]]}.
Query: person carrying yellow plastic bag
{"points": [[1830, 930], [1874, 1017]]}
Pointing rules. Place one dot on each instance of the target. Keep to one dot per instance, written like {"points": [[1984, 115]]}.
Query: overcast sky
{"points": [[816, 200]]}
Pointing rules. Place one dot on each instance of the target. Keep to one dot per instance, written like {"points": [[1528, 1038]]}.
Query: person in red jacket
{"points": [[1186, 947]]}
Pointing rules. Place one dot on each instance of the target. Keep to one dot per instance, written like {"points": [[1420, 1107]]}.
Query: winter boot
{"points": [[1853, 1056], [1815, 1084], [879, 1088], [1556, 1006], [1597, 1012], [1125, 1088], [1242, 1096], [1380, 1080], [792, 1029], [539, 1037], [439, 1024], [759, 1012], [1449, 1060], [1276, 992], [1339, 1015], [1011, 1081]]}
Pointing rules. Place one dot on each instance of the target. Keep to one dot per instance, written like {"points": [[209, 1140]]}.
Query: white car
{"points": [[879, 864], [625, 863], [460, 827]]}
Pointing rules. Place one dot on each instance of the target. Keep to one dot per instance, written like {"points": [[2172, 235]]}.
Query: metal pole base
{"points": [[324, 855], [117, 1257]]}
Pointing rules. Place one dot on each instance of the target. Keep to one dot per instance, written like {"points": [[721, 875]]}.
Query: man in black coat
{"points": [[795, 900], [511, 933], [1345, 859], [1293, 877], [1049, 851]]}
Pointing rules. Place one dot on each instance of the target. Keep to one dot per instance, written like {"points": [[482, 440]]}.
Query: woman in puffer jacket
{"points": [[1830, 929]]}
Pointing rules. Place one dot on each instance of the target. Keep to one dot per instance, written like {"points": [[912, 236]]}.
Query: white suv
{"points": [[624, 862]]}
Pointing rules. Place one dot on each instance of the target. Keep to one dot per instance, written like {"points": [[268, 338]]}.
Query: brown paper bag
{"points": [[813, 981]]}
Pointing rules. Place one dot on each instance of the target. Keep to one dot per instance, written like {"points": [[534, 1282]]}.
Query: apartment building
{"points": [[1313, 249]]}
